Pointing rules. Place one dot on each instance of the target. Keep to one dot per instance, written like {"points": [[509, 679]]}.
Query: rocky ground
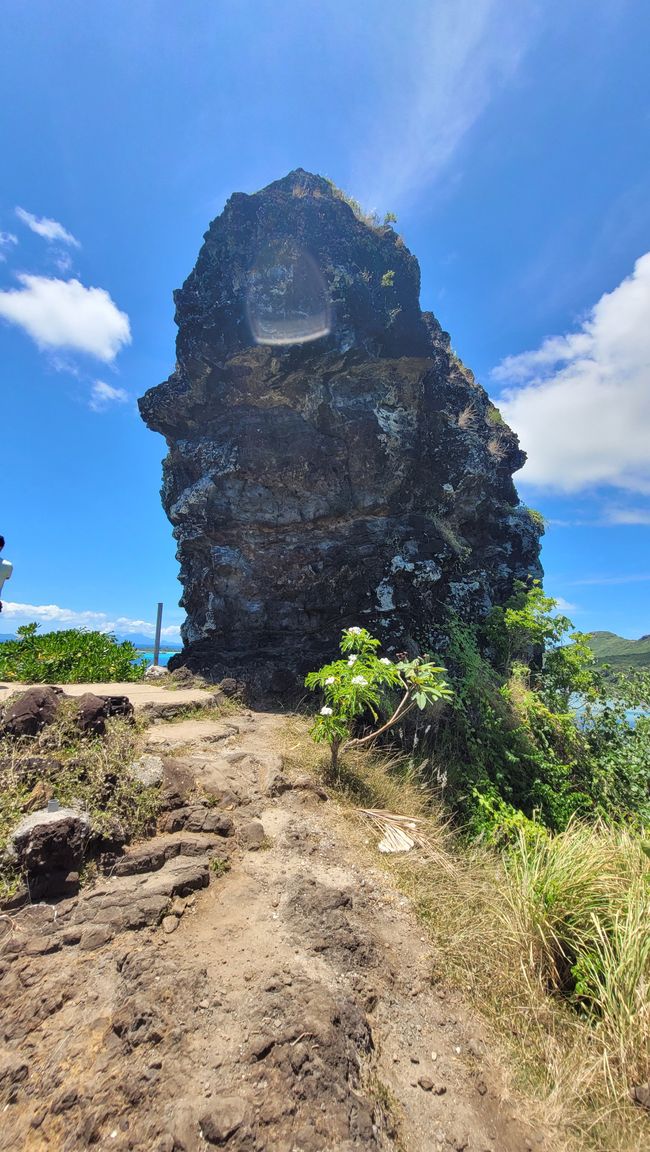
{"points": [[246, 979]]}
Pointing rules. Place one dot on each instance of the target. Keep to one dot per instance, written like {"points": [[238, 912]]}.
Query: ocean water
{"points": [[163, 658], [631, 715]]}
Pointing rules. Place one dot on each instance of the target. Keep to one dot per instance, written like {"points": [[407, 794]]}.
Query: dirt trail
{"points": [[285, 1006]]}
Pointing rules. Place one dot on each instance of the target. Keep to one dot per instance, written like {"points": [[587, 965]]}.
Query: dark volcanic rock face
{"points": [[331, 461]]}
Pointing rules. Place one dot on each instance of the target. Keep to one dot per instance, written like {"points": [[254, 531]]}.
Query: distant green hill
{"points": [[608, 648]]}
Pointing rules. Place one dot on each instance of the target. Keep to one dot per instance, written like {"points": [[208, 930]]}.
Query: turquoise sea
{"points": [[164, 656], [631, 715]]}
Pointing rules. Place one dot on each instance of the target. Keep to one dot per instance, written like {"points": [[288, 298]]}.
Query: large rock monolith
{"points": [[331, 461]]}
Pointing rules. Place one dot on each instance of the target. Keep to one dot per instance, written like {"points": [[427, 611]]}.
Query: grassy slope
{"points": [[609, 648], [496, 920]]}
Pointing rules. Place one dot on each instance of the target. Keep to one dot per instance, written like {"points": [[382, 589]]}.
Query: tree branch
{"points": [[400, 711]]}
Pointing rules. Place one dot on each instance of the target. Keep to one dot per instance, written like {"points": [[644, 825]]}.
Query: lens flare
{"points": [[287, 301]]}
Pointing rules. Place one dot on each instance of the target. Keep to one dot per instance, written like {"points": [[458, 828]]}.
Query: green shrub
{"points": [[538, 520], [364, 683], [73, 656], [534, 725], [493, 414]]}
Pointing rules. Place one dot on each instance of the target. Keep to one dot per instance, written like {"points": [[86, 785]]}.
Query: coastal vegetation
{"points": [[531, 731], [529, 778], [72, 656], [525, 781]]}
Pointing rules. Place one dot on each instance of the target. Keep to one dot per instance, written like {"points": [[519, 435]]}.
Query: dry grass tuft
{"points": [[468, 418], [497, 448]]}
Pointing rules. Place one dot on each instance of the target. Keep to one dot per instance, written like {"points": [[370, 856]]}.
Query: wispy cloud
{"points": [[62, 260], [635, 578], [52, 615], [610, 516], [65, 314], [581, 402], [439, 80], [48, 229], [102, 395], [615, 514], [7, 240]]}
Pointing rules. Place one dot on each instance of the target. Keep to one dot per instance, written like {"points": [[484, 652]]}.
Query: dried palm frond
{"points": [[402, 833]]}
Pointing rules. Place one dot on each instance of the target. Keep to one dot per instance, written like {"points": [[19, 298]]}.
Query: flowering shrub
{"points": [[361, 681]]}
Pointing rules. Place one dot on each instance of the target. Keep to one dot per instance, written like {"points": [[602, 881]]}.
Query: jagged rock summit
{"points": [[331, 461]]}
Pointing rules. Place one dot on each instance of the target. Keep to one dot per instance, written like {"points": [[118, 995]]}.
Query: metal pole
{"points": [[156, 643]]}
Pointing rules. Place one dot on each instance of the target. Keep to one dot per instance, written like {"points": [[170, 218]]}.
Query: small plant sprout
{"points": [[363, 683]]}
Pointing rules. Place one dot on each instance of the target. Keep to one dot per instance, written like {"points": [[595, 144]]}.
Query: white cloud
{"points": [[104, 394], [581, 402], [62, 260], [440, 75], [7, 240], [56, 618], [563, 605], [66, 314], [48, 229], [615, 514]]}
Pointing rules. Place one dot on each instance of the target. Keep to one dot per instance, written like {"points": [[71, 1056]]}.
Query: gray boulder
{"points": [[50, 846], [148, 771]]}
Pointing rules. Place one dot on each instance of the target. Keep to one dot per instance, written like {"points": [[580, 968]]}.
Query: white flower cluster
{"points": [[385, 660], [352, 660], [359, 680], [354, 631], [326, 711], [331, 680]]}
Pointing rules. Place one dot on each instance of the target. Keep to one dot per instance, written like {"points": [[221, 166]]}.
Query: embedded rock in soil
{"points": [[30, 712], [93, 711], [322, 914], [148, 771], [13, 1070], [222, 1120], [48, 847], [331, 461]]}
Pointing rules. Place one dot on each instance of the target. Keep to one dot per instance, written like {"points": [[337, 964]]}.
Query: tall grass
{"points": [[577, 908], [548, 939]]}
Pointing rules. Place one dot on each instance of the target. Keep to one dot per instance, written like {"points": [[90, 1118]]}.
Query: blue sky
{"points": [[512, 141]]}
